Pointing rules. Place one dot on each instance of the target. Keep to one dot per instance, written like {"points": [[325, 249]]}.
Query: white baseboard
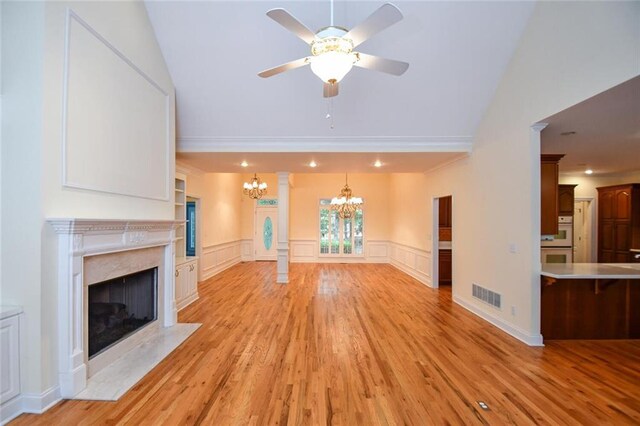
{"points": [[518, 333], [412, 261], [29, 403], [10, 409], [38, 404], [186, 302]]}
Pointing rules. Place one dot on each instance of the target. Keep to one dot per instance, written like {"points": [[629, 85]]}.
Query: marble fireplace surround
{"points": [[93, 250]]}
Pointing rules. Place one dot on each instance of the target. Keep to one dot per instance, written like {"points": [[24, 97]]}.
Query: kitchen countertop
{"points": [[623, 271]]}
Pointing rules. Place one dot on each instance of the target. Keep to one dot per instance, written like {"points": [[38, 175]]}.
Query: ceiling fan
{"points": [[332, 54]]}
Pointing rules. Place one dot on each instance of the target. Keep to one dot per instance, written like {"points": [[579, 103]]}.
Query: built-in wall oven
{"points": [[556, 255], [558, 248]]}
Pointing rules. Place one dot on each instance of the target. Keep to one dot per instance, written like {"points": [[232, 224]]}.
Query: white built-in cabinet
{"points": [[186, 275], [186, 283], [9, 354]]}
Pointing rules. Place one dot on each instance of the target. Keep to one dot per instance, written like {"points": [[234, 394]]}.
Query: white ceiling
{"points": [[458, 52], [296, 162], [607, 138]]}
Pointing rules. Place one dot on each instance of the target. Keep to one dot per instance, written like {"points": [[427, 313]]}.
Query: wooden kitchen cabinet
{"points": [[444, 267], [618, 222], [444, 206], [549, 171], [566, 199]]}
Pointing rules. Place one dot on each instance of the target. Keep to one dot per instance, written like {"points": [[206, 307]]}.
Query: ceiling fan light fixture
{"points": [[331, 67]]}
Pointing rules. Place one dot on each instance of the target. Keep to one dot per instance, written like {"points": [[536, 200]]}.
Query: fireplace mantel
{"points": [[78, 238]]}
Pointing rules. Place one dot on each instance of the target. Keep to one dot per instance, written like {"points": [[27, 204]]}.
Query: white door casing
{"points": [[266, 233]]}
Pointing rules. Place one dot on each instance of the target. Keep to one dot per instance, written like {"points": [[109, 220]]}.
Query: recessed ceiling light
{"points": [[377, 163], [244, 164], [588, 171], [567, 133], [312, 164]]}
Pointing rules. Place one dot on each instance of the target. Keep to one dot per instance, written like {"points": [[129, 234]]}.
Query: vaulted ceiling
{"points": [[458, 52]]}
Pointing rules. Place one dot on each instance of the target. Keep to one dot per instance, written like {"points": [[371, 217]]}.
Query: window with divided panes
{"points": [[340, 237]]}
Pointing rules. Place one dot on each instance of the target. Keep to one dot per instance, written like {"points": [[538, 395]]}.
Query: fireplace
{"points": [[119, 307], [104, 267]]}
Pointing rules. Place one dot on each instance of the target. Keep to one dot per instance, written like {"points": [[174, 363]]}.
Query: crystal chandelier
{"points": [[345, 204], [256, 188]]}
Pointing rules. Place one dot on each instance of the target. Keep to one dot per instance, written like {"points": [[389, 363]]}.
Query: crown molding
{"points": [[326, 144]]}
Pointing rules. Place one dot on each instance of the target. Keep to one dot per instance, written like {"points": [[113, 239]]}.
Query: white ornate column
{"points": [[283, 228]]}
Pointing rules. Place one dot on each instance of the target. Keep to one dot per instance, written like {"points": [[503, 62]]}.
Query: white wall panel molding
{"points": [[97, 154], [411, 260], [306, 251], [218, 257], [247, 253], [326, 144]]}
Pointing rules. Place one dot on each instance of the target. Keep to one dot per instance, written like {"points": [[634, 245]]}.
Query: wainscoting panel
{"points": [[412, 261], [306, 251], [247, 251], [216, 258]]}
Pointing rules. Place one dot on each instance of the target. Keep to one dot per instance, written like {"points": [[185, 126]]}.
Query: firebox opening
{"points": [[121, 306]]}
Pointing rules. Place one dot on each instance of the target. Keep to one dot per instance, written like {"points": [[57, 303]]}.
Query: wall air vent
{"points": [[487, 296]]}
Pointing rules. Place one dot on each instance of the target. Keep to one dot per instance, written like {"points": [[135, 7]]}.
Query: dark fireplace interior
{"points": [[120, 306]]}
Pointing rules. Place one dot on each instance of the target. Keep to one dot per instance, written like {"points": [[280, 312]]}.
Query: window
{"points": [[340, 237]]}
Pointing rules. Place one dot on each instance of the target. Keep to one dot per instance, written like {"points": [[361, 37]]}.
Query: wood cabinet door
{"points": [[565, 200], [549, 198], [444, 211], [605, 205], [444, 267], [622, 204], [607, 236]]}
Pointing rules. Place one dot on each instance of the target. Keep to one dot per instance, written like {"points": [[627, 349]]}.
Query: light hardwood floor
{"points": [[362, 344]]}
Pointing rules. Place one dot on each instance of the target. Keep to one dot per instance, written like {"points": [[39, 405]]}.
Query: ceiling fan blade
{"points": [[288, 21], [284, 67], [377, 63], [330, 90], [384, 17]]}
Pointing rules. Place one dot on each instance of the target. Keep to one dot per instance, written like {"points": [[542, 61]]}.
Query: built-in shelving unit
{"points": [[186, 273], [180, 213]]}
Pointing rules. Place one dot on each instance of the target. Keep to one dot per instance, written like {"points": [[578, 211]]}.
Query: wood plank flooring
{"points": [[361, 345]]}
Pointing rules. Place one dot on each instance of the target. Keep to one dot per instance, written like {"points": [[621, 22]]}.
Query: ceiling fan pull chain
{"points": [[331, 111]]}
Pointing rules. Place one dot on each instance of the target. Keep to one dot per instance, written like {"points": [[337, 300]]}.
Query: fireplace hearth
{"points": [[119, 307]]}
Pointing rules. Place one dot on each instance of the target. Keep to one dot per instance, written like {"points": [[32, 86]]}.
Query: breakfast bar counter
{"points": [[590, 301]]}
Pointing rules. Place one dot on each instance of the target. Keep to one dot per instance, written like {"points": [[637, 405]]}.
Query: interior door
{"points": [[265, 240], [580, 232]]}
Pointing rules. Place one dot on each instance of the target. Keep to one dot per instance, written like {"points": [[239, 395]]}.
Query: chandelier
{"points": [[256, 189], [345, 204]]}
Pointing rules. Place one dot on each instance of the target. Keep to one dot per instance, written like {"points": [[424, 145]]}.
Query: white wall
{"points": [[587, 185], [32, 163], [569, 52]]}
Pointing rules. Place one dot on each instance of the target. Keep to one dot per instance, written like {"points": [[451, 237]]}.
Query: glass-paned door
{"points": [[358, 233], [191, 228], [340, 236]]}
